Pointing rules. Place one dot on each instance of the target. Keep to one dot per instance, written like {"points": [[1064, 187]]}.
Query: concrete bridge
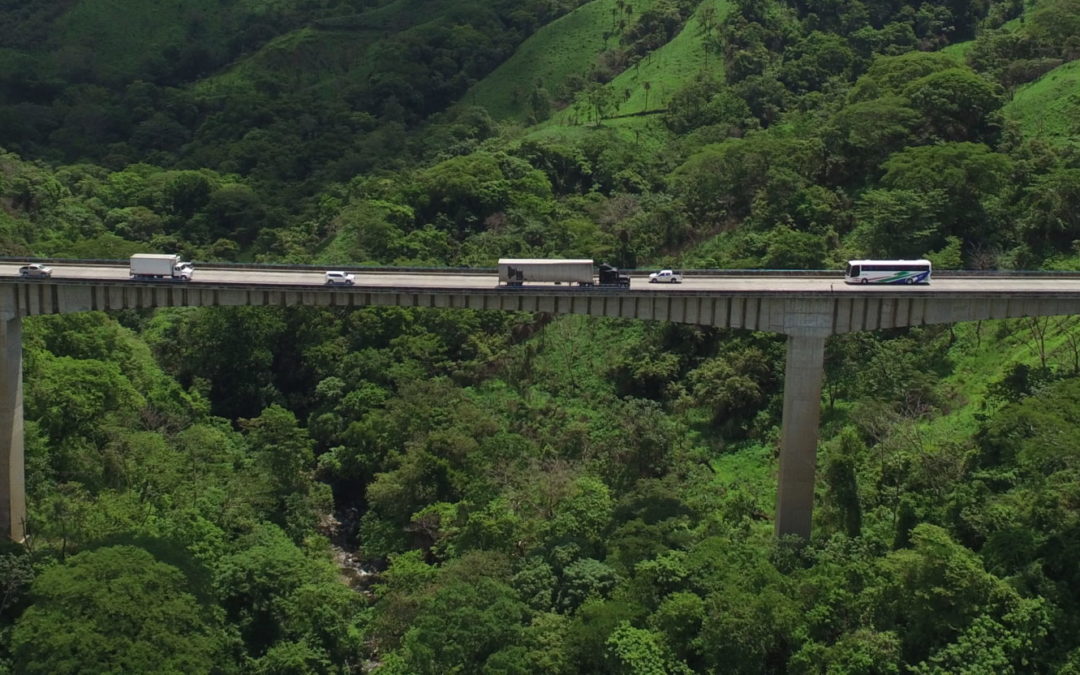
{"points": [[808, 309]]}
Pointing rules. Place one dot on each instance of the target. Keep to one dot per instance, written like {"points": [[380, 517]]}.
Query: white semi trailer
{"points": [[519, 271], [160, 266]]}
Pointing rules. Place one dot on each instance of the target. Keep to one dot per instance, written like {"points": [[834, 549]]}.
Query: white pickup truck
{"points": [[665, 277]]}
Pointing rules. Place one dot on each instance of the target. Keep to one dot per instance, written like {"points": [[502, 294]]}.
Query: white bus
{"points": [[887, 272]]}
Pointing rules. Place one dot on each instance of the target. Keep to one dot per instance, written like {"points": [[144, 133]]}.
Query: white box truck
{"points": [[160, 266], [518, 271]]}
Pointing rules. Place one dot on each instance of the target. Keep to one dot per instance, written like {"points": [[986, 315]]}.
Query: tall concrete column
{"points": [[803, 375], [12, 469]]}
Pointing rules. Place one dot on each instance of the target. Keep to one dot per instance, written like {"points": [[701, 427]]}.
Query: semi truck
{"points": [[160, 266], [518, 271]]}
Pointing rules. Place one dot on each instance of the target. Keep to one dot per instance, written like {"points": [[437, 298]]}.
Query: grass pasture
{"points": [[559, 51], [650, 84], [1049, 107], [298, 60]]}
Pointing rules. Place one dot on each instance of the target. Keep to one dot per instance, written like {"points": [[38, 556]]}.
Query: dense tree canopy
{"points": [[419, 490]]}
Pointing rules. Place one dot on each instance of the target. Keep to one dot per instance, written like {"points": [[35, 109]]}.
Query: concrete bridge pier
{"points": [[12, 472], [803, 375]]}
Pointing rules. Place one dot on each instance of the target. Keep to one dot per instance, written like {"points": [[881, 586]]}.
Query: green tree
{"points": [[787, 248], [272, 592], [899, 223], [840, 475], [1051, 221], [583, 514], [809, 63], [863, 134], [116, 609], [601, 100], [888, 75], [582, 579], [706, 102], [935, 594], [956, 104], [732, 386], [973, 179], [231, 348], [636, 651], [859, 651], [286, 453], [463, 192], [722, 182], [461, 626]]}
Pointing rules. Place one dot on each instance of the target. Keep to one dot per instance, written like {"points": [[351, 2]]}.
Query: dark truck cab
{"points": [[610, 276]]}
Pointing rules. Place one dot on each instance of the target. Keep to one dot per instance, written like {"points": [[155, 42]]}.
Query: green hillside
{"points": [[552, 57], [299, 60], [396, 490], [666, 70], [117, 41], [1049, 108]]}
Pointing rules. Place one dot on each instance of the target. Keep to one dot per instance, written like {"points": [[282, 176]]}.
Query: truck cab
{"points": [[183, 270], [610, 276]]}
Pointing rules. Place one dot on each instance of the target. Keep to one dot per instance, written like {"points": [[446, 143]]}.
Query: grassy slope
{"points": [[667, 70], [324, 57], [304, 58], [983, 353], [564, 48], [1049, 107], [568, 47]]}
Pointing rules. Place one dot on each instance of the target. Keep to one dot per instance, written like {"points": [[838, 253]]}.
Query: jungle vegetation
{"points": [[399, 490]]}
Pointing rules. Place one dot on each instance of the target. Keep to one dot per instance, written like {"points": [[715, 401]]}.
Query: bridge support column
{"points": [[803, 375], [12, 469]]}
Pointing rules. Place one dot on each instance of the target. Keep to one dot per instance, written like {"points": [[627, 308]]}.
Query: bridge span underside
{"points": [[806, 317], [777, 311]]}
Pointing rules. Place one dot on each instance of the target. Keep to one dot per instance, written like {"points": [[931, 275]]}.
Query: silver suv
{"points": [[336, 278]]}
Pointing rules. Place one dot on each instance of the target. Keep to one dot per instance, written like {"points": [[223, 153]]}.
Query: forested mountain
{"points": [[398, 490]]}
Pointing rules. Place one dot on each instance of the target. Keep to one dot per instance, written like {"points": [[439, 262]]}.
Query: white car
{"points": [[665, 277], [35, 271], [336, 278]]}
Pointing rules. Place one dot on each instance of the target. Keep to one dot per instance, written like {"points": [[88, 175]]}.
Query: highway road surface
{"points": [[757, 282]]}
